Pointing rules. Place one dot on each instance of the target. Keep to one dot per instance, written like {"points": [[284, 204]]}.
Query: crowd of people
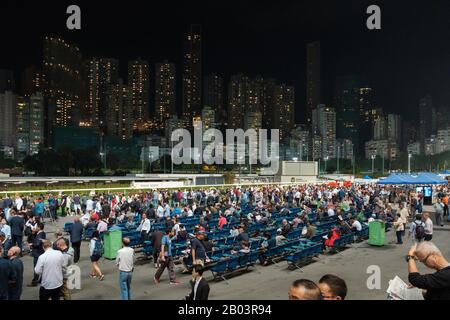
{"points": [[22, 229]]}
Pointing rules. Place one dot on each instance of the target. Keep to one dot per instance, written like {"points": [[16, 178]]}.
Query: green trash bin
{"points": [[112, 242], [376, 233]]}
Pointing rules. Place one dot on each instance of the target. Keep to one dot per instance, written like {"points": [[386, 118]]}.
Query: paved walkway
{"points": [[261, 283]]}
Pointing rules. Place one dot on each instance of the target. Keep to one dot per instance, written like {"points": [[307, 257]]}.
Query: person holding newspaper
{"points": [[437, 285]]}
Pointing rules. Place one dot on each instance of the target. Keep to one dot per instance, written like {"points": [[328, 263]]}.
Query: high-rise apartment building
{"points": [[8, 101], [213, 94], [165, 91], [139, 82], [283, 115], [192, 72], [101, 73], [324, 125], [119, 115], [62, 77]]}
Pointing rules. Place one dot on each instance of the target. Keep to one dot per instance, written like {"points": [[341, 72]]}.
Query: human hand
{"points": [[412, 251]]}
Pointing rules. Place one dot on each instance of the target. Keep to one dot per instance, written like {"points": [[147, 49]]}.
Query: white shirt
{"points": [[160, 212], [144, 226], [176, 228], [6, 229], [19, 203], [196, 287], [357, 225], [125, 259], [89, 205], [330, 212], [85, 218], [102, 226], [428, 226], [50, 266]]}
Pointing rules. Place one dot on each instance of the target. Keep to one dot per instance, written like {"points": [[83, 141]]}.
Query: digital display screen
{"points": [[419, 189], [428, 191]]}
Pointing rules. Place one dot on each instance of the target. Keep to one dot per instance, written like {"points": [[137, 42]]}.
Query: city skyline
{"points": [[400, 72], [337, 111]]}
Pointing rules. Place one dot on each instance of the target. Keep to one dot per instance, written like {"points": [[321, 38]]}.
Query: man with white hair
{"points": [[437, 285]]}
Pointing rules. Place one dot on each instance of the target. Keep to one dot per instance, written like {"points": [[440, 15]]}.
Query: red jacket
{"points": [[335, 235]]}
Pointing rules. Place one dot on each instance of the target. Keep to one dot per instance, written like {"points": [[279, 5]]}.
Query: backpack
{"points": [[98, 249], [420, 231]]}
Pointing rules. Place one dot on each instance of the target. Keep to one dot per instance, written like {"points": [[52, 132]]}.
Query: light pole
{"points": [[382, 166], [373, 159], [326, 159], [409, 162]]}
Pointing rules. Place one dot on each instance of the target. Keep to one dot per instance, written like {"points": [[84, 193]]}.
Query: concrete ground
{"points": [[259, 283]]}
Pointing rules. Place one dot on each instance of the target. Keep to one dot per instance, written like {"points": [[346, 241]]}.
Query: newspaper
{"points": [[399, 290]]}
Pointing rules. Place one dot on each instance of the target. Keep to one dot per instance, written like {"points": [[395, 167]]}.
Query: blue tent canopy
{"points": [[367, 177], [424, 178]]}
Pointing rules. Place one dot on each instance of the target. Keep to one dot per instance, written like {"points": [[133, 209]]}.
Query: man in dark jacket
{"points": [[17, 223], [76, 234], [36, 250], [7, 276], [15, 288], [199, 285], [156, 243]]}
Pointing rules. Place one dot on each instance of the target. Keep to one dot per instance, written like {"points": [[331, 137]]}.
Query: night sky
{"points": [[407, 59]]}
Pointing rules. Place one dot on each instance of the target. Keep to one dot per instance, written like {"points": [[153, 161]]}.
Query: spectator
{"points": [[399, 227], [165, 259], [332, 287], [50, 266], [428, 226], [403, 213], [102, 226], [68, 255], [417, 229], [7, 275], [437, 285], [199, 285], [15, 288], [125, 263], [197, 249], [145, 227], [96, 252], [438, 212], [5, 228], [309, 230], [304, 289], [5, 243], [243, 236], [37, 249], [355, 225], [76, 235], [156, 243], [182, 234], [17, 224], [222, 221], [58, 236]]}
